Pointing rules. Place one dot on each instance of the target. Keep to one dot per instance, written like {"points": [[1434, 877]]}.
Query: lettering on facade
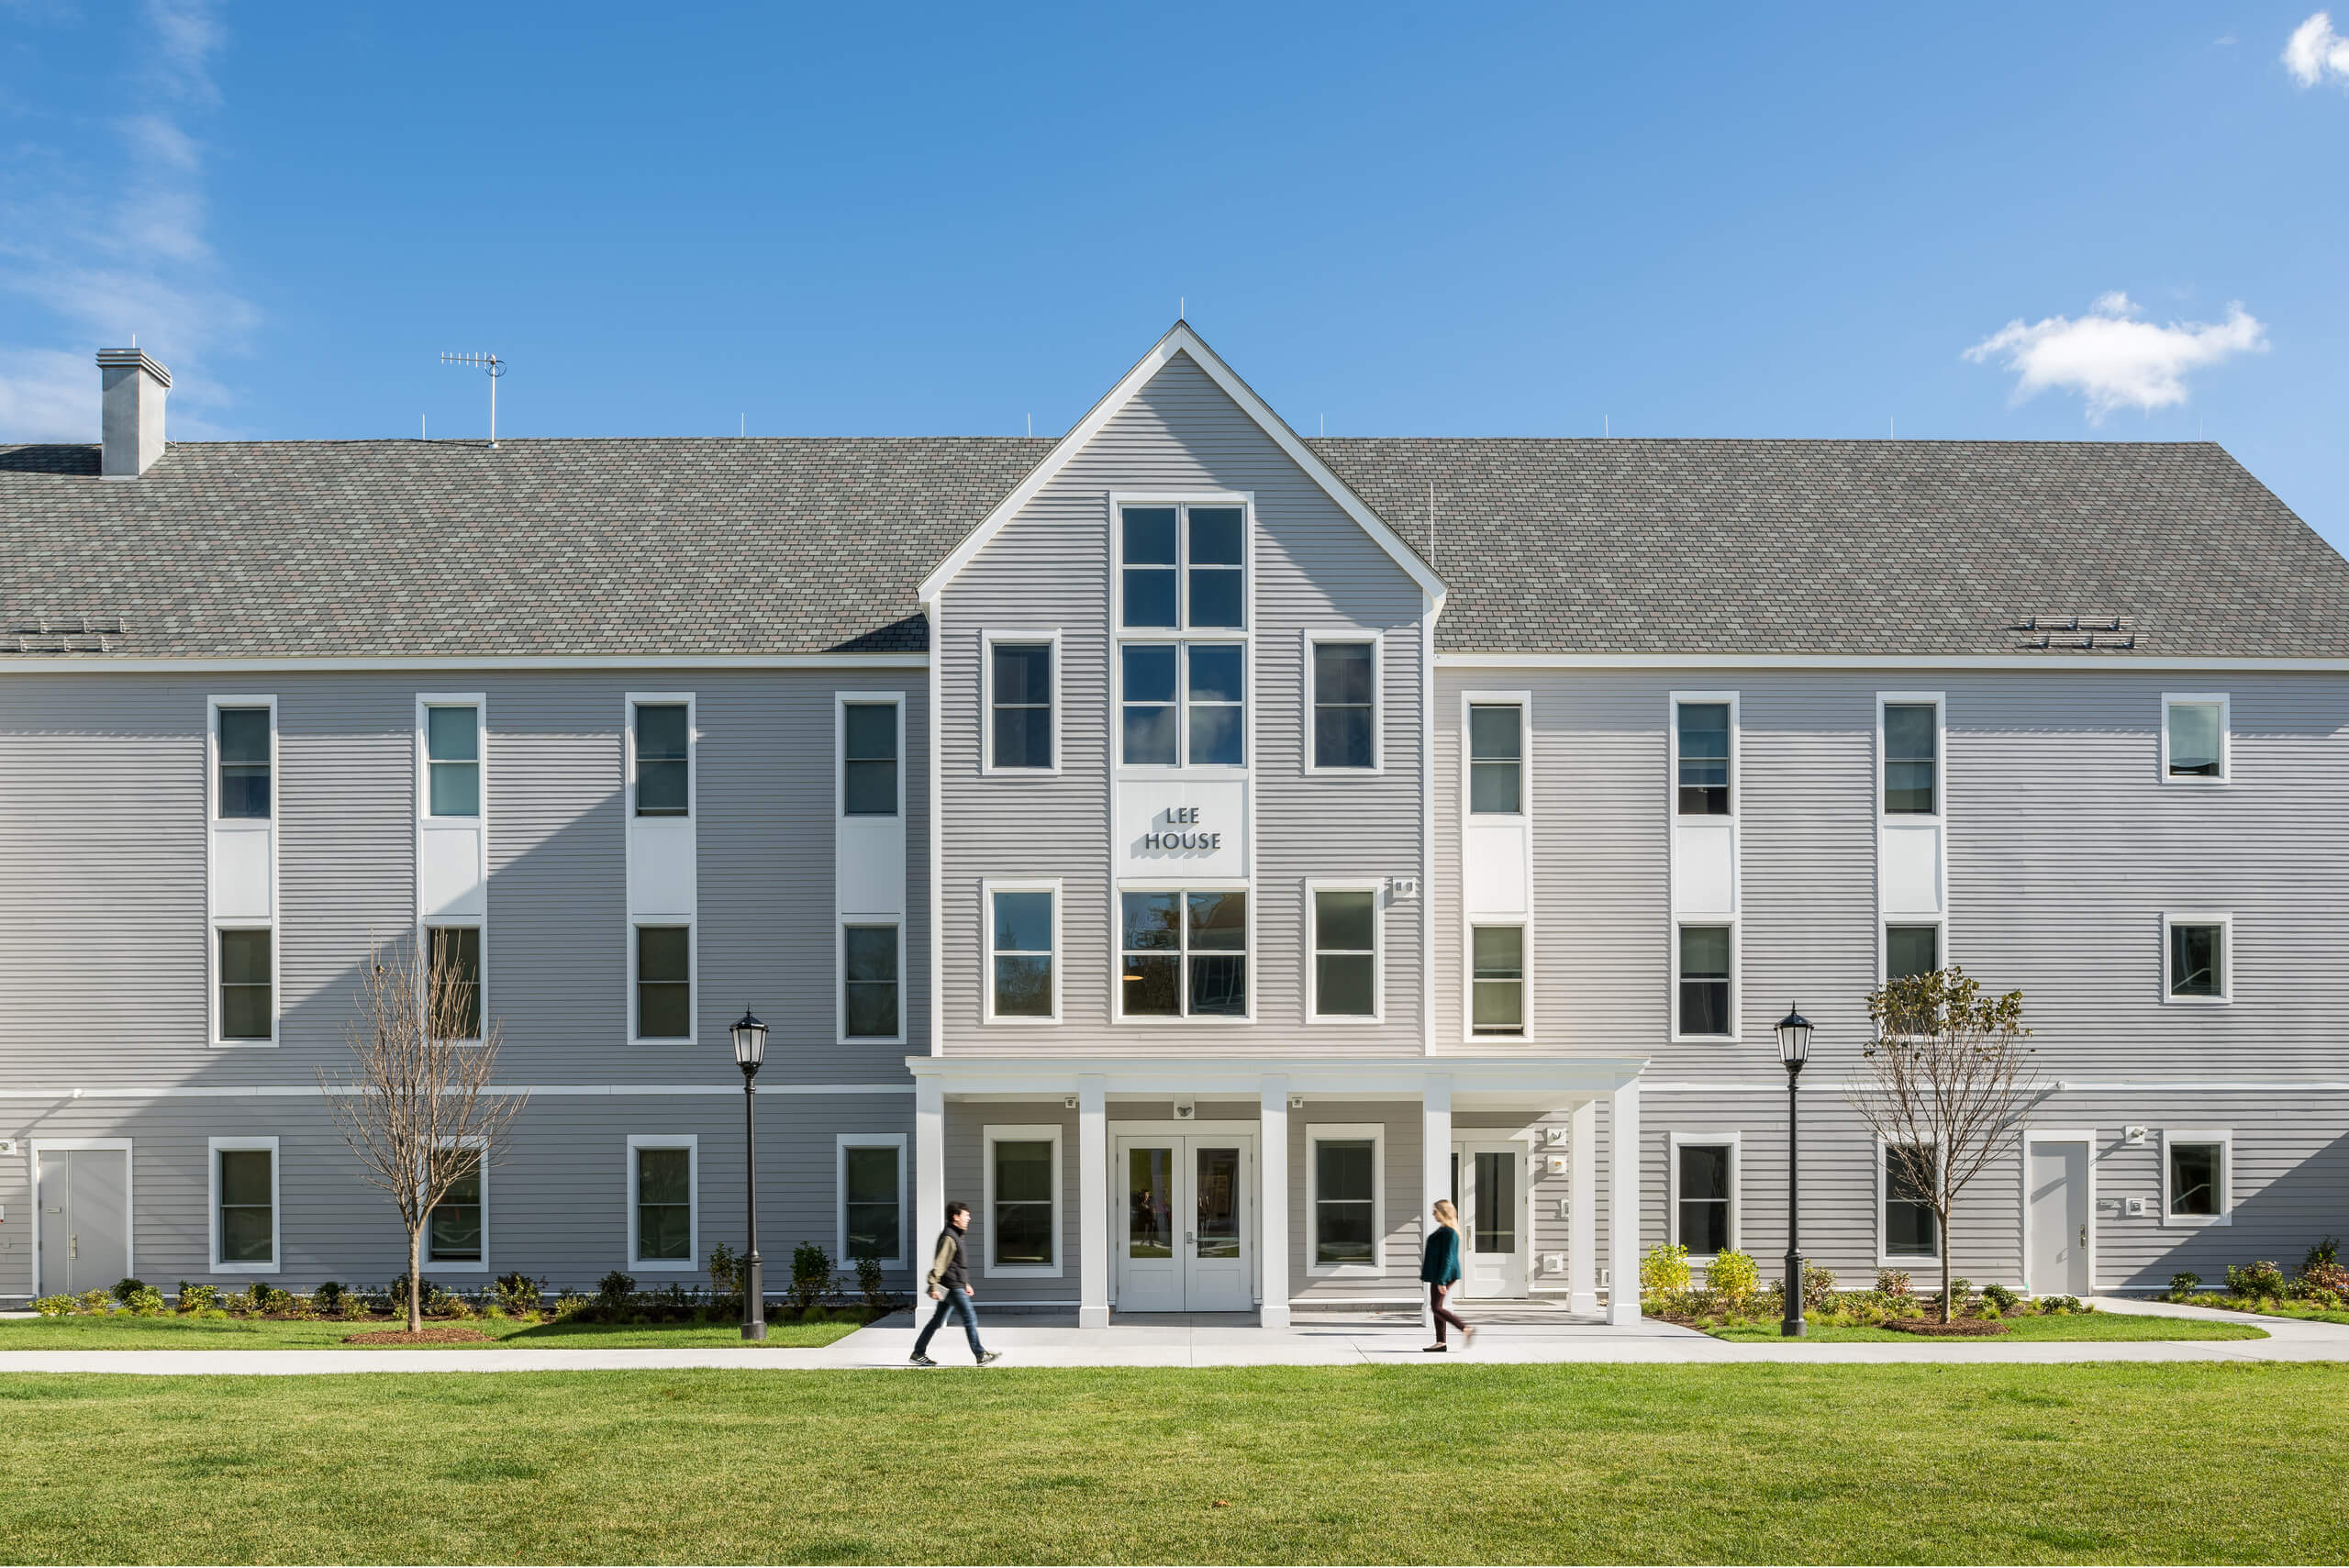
{"points": [[1177, 827]]}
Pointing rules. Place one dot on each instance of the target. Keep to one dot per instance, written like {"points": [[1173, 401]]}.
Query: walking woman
{"points": [[1440, 1266]]}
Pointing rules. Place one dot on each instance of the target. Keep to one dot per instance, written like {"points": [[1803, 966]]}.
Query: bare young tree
{"points": [[415, 1109], [1945, 1086]]}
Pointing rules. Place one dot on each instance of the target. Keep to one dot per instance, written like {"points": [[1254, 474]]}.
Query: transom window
{"points": [[452, 760], [1910, 1227], [1345, 694], [1704, 737], [1185, 954], [1021, 947], [1498, 981], [1345, 958], [1911, 740], [1702, 1173], [869, 982], [1019, 693], [1705, 980], [1495, 759], [869, 758], [1184, 704], [2194, 741], [663, 758], [1184, 567], [244, 748]]}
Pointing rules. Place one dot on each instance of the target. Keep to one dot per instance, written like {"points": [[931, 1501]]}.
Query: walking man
{"points": [[949, 1286]]}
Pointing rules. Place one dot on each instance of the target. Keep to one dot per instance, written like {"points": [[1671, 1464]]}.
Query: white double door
{"points": [[1489, 1189], [1182, 1217], [84, 1219]]}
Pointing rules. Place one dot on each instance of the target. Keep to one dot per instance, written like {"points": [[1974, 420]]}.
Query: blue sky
{"points": [[1410, 221]]}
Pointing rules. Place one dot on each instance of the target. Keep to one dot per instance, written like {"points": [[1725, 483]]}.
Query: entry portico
{"points": [[1268, 1182]]}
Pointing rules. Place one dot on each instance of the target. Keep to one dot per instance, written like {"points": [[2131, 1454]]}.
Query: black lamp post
{"points": [[1794, 1050], [750, 1050]]}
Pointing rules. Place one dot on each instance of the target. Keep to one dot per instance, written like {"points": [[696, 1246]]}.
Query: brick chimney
{"points": [[133, 411]]}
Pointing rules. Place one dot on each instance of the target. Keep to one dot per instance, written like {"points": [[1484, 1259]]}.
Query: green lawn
{"points": [[2278, 1309], [2068, 1325], [1418, 1464], [127, 1333]]}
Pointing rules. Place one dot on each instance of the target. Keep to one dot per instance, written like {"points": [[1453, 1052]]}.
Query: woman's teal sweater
{"points": [[1440, 1264]]}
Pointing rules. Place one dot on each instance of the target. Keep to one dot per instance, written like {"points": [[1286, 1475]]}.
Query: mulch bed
{"points": [[1963, 1328], [439, 1334]]}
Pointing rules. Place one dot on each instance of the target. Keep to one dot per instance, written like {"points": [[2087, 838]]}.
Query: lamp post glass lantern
{"points": [[749, 1053], [1794, 1050]]}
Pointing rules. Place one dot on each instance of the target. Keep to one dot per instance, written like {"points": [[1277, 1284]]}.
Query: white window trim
{"points": [[213, 823], [692, 925], [1185, 1020], [690, 1263], [1736, 754], [40, 1146], [2225, 1139], [1736, 979], [842, 1145], [1523, 701], [1041, 1132], [1469, 927], [214, 1148], [425, 703], [988, 767], [1358, 637], [988, 890], [1313, 1014], [458, 1265], [1886, 1259], [1346, 1132], [693, 748], [841, 702], [1940, 704], [2225, 921], [2226, 741], [1183, 635], [840, 974], [1734, 1143]]}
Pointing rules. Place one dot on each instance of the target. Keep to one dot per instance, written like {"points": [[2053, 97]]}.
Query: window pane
{"points": [[1704, 758], [455, 951], [245, 1236], [454, 1235], [1495, 733], [1908, 744], [1218, 922], [1148, 922], [1216, 739], [1215, 536], [2194, 740], [246, 1205], [1704, 952], [869, 740], [1344, 922], [1493, 1226], [1150, 536], [452, 734], [1023, 673], [244, 1176], [1149, 736], [1218, 986], [1217, 599], [1498, 992], [244, 762], [1023, 738], [1341, 673], [245, 1008], [870, 960], [1344, 985], [664, 1202], [1150, 986], [1500, 952], [1911, 949], [1149, 670], [2195, 961], [1495, 787], [663, 993], [1022, 676], [1496, 741], [2195, 1172], [1023, 1206], [662, 783], [664, 952], [1703, 980], [1341, 738], [455, 789], [244, 958], [1342, 695], [1150, 1230], [1909, 1229], [1023, 987], [1218, 671], [870, 1192], [1344, 1205], [1150, 596], [1023, 922], [663, 1175]]}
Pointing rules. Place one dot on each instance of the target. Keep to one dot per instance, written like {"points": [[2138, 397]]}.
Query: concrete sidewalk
{"points": [[1191, 1342]]}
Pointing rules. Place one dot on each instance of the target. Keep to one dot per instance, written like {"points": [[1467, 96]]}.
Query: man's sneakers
{"points": [[991, 1356], [921, 1360]]}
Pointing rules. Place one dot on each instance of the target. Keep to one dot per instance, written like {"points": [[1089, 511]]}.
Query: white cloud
{"points": [[2112, 359], [2316, 51], [132, 261]]}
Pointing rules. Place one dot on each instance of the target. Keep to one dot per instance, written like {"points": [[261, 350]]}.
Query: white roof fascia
{"points": [[1179, 339]]}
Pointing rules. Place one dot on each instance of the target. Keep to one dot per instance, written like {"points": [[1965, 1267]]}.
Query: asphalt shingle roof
{"points": [[807, 545]]}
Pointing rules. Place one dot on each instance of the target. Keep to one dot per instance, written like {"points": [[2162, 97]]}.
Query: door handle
{"points": [[1190, 1239], [73, 1246], [2083, 1235]]}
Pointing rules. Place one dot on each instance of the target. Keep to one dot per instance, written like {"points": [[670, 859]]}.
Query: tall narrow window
{"points": [[1215, 540], [2197, 960], [664, 1009], [869, 758], [1498, 980], [1704, 758], [454, 980], [1019, 681], [1216, 699], [1911, 949], [1345, 960], [1345, 691], [664, 1204], [1152, 717], [1702, 1173], [1910, 1230], [1151, 551], [1183, 955], [869, 955], [247, 989], [663, 757], [1022, 954], [456, 1234], [452, 760], [247, 1185], [1023, 1202], [1910, 744], [244, 762], [1345, 1201], [1703, 980], [1492, 1225], [2198, 1178], [870, 1208], [1497, 759], [2195, 738]]}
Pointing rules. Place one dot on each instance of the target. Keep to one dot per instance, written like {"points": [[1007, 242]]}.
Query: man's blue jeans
{"points": [[957, 1301]]}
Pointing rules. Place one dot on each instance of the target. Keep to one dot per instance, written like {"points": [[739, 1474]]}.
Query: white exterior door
{"points": [[2059, 1218], [84, 1200], [1489, 1187], [1183, 1242]]}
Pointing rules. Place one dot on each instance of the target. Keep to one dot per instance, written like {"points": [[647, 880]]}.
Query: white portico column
{"points": [[1582, 1210], [929, 1171], [1271, 1202], [1623, 1207], [1092, 1201], [1435, 1162]]}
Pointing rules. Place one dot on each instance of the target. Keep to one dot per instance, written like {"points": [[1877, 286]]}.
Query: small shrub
{"points": [[1893, 1284], [454, 1307], [355, 1307], [2184, 1284], [194, 1298], [2324, 1279], [96, 1300], [1817, 1286], [125, 1288], [1990, 1313], [1736, 1279], [144, 1302], [1664, 1271], [56, 1306], [868, 1283], [811, 1273], [328, 1299], [2055, 1306], [517, 1293], [2000, 1297], [2255, 1280], [613, 1290], [727, 1270], [2326, 1253]]}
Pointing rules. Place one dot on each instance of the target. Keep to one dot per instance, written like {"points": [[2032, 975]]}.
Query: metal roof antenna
{"points": [[495, 368]]}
